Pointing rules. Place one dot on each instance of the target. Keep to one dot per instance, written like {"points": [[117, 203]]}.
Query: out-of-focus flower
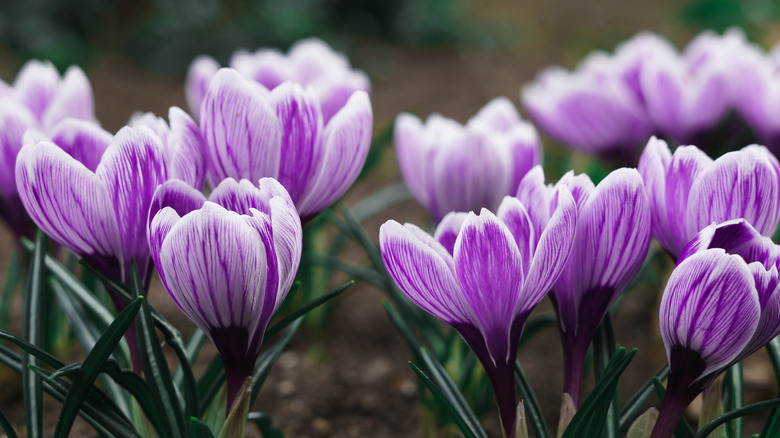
{"points": [[721, 304], [610, 244], [310, 63], [38, 98], [182, 144], [449, 167], [228, 262], [757, 93], [252, 133], [687, 190], [483, 274]]}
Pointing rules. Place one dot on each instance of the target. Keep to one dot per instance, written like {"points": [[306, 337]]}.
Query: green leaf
{"points": [[8, 428], [734, 398], [712, 407], [235, 423], [380, 200], [92, 366], [633, 407], [532, 407], [642, 427], [406, 332], [210, 382], [603, 350], [446, 404], [739, 413], [268, 358], [362, 273], [772, 425], [590, 418], [450, 392], [683, 429], [32, 330], [199, 430], [13, 276], [264, 423], [155, 367], [297, 313], [192, 349]]}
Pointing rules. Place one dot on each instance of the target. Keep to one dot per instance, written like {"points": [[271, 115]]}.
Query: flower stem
{"points": [[503, 380], [573, 361]]}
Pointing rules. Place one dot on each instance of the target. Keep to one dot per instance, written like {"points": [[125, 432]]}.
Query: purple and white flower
{"points": [[252, 133], [483, 274], [450, 167], [609, 247], [721, 304], [228, 262], [310, 63], [39, 99], [688, 190]]}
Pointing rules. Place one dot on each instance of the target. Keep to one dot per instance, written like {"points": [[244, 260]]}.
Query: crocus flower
{"points": [[609, 246], [687, 190], [721, 304], [38, 98], [450, 167], [252, 133], [758, 93], [228, 262], [483, 274], [310, 63]]}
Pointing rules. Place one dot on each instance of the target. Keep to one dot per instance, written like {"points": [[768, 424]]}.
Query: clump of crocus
{"points": [[611, 104], [609, 246], [688, 190], [483, 274], [39, 98], [450, 167], [310, 63], [721, 304], [252, 133], [228, 262]]}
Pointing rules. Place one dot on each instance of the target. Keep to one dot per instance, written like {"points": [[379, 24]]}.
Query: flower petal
{"points": [[240, 129], [199, 76], [178, 195], [83, 140], [339, 156], [410, 151], [287, 234], [653, 163], [489, 269], [67, 201], [160, 223], [301, 120], [74, 99], [239, 196], [35, 86], [514, 215], [132, 168], [448, 229], [738, 237], [742, 184], [687, 163], [423, 270], [15, 119], [710, 306], [768, 287], [536, 197], [186, 144]]}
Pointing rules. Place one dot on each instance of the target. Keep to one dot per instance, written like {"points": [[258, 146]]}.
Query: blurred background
{"points": [[423, 56]]}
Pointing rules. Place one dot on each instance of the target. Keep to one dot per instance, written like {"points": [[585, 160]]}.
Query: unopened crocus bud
{"points": [[688, 190], [451, 167], [483, 274], [228, 262]]}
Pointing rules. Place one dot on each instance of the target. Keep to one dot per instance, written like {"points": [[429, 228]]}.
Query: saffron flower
{"points": [[688, 190], [311, 63], [449, 167], [721, 304], [228, 262], [483, 274], [39, 99], [609, 246], [252, 133]]}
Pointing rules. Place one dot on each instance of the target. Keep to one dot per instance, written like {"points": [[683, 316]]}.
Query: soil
{"points": [[351, 379]]}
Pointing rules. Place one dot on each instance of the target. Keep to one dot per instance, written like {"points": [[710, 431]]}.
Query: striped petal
{"points": [[339, 156], [653, 164], [240, 129], [711, 308], [15, 119], [536, 196], [35, 86], [424, 271], [187, 151], [239, 196], [687, 163], [448, 229], [74, 99], [410, 151], [83, 140], [514, 215], [178, 195], [199, 76]]}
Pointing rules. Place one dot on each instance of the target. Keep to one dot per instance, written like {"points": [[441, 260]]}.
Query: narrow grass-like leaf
{"points": [[32, 331], [633, 407], [297, 313], [739, 413], [155, 367], [532, 407], [268, 358], [192, 349], [199, 430], [8, 428], [590, 418], [450, 391], [444, 402], [13, 276], [734, 398], [362, 273], [210, 382], [682, 429], [772, 425], [643, 426], [604, 346], [91, 368], [265, 425], [380, 200], [406, 332]]}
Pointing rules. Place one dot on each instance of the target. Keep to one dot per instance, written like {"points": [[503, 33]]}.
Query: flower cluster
{"points": [[612, 103]]}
